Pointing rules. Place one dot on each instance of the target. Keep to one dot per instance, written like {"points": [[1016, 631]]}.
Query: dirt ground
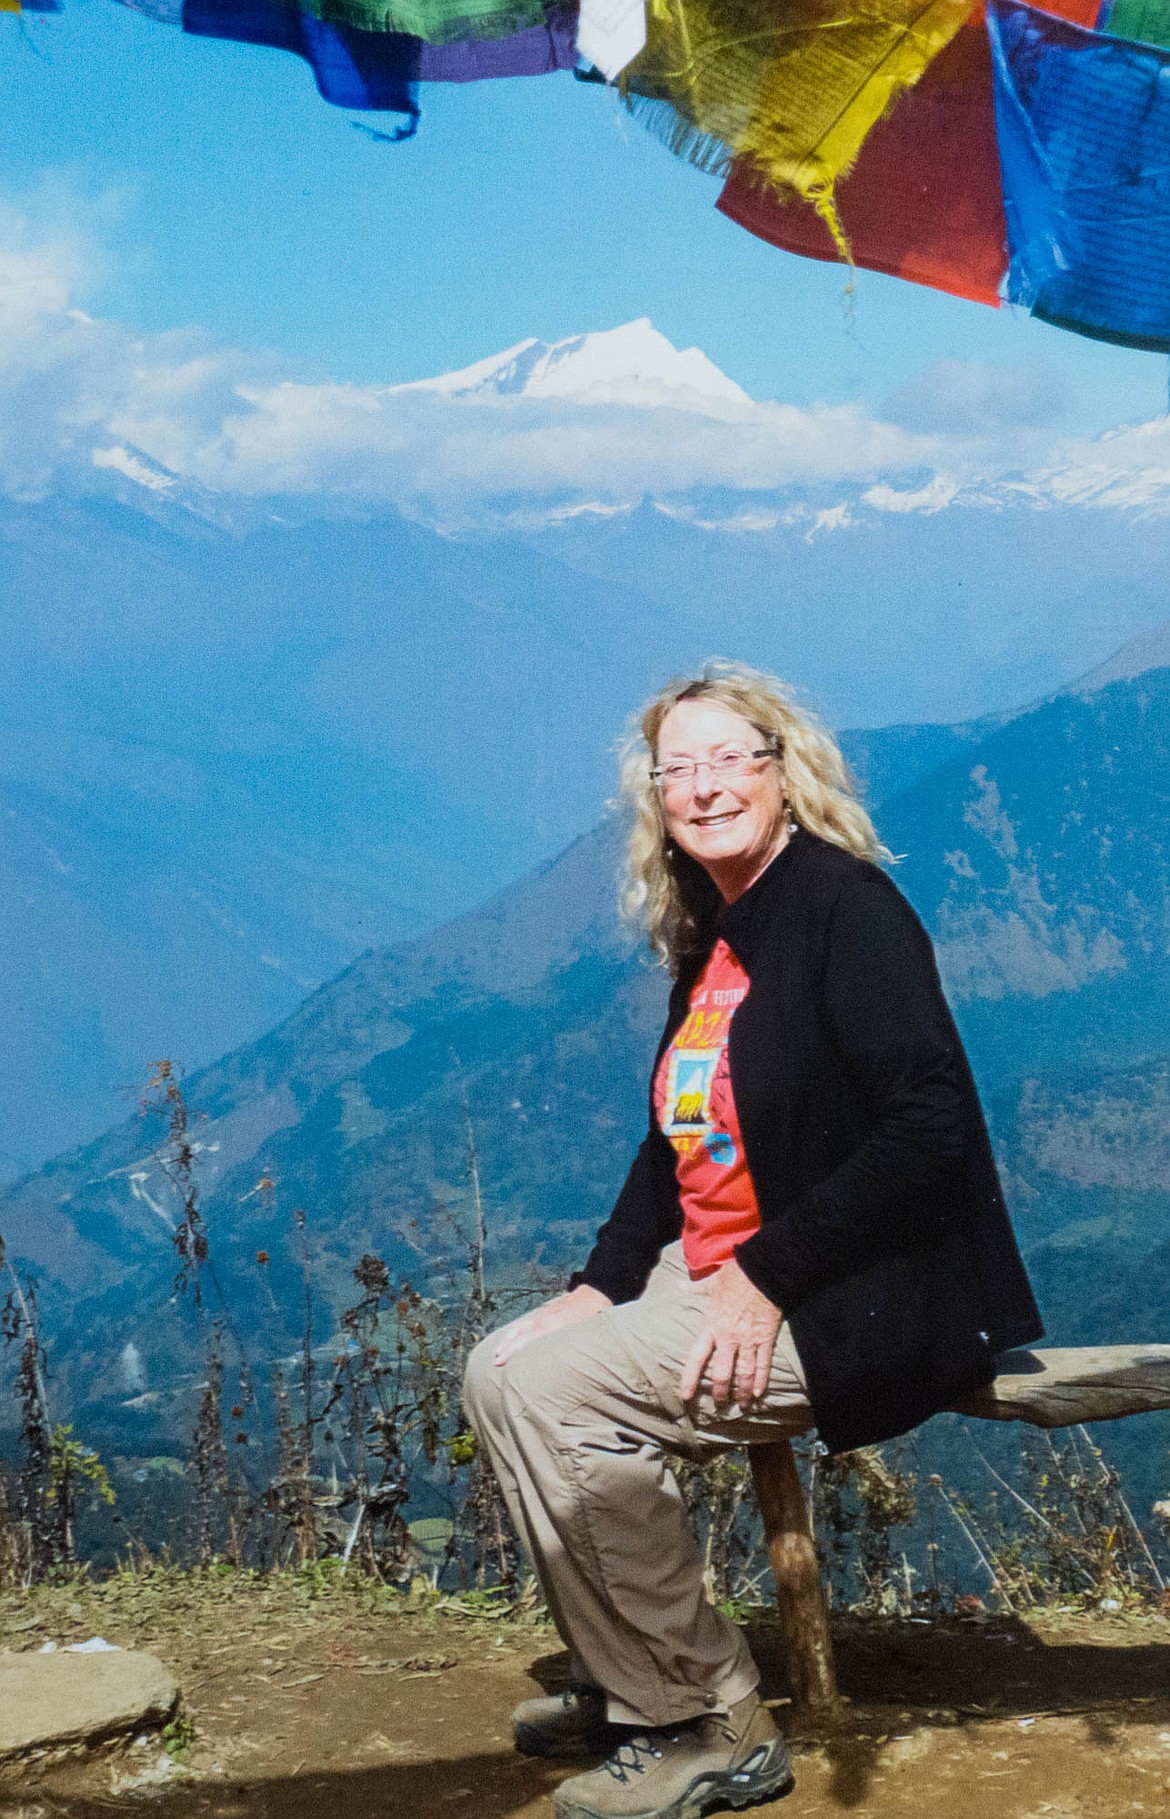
{"points": [[318, 1700]]}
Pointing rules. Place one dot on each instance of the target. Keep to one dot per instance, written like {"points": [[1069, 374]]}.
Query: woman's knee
{"points": [[544, 1381], [481, 1384]]}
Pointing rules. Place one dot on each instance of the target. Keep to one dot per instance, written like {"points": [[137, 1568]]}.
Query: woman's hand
{"points": [[579, 1304], [735, 1342]]}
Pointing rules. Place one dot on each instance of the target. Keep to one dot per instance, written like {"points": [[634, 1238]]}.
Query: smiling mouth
{"points": [[715, 820]]}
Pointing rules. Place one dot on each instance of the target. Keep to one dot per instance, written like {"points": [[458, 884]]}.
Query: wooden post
{"points": [[800, 1603]]}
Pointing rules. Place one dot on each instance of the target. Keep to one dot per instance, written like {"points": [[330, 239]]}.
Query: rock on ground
{"points": [[53, 1700]]}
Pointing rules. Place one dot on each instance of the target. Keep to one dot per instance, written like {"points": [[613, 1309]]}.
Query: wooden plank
{"points": [[800, 1604], [1059, 1387], [1055, 1387]]}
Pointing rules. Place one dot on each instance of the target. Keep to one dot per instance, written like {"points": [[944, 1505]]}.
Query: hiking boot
{"points": [[571, 1723], [683, 1770]]}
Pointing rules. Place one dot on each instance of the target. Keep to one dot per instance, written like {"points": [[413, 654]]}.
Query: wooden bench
{"points": [[1051, 1388]]}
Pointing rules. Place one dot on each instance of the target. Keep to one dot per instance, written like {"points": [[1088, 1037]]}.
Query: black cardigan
{"points": [[884, 1236]]}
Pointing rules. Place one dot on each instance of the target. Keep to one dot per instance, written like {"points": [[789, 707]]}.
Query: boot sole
{"points": [[707, 1793]]}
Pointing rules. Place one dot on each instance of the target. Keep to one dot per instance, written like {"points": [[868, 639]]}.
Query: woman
{"points": [[812, 1231]]}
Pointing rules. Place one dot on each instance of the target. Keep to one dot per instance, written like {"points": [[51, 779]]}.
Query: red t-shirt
{"points": [[694, 1105]]}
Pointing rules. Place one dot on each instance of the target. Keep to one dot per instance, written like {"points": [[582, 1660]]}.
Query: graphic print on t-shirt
{"points": [[695, 1108], [690, 1075]]}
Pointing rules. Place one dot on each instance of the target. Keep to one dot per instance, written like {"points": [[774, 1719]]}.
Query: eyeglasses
{"points": [[680, 773]]}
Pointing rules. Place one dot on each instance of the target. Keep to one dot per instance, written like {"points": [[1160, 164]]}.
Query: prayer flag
{"points": [[1084, 129], [381, 70], [924, 201], [790, 87], [610, 33]]}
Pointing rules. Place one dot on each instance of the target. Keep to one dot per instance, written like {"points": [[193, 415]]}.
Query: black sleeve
{"points": [[644, 1218], [896, 1039]]}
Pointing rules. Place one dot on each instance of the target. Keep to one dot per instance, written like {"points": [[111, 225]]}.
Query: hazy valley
{"points": [[247, 747]]}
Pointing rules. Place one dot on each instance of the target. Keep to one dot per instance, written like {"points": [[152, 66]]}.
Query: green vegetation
{"points": [[324, 1465], [178, 1736], [330, 1472], [308, 1371]]}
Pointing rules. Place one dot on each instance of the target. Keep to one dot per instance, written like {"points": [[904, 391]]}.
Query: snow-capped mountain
{"points": [[632, 365], [250, 671], [545, 433], [765, 461], [127, 474]]}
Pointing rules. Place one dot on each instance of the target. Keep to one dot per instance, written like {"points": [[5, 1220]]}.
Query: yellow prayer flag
{"points": [[792, 86]]}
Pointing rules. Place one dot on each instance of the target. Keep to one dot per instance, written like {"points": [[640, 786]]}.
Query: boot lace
{"points": [[627, 1758]]}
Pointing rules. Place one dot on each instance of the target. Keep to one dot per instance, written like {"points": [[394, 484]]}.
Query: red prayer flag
{"points": [[925, 199]]}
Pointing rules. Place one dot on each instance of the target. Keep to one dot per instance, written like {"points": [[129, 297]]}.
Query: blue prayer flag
{"points": [[374, 70], [1083, 123]]}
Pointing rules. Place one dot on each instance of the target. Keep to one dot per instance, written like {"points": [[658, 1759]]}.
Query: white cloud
{"points": [[70, 384], [68, 381], [831, 518], [60, 373], [935, 496], [415, 447], [976, 398]]}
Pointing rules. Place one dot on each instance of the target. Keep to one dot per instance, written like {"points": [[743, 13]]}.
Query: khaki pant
{"points": [[576, 1425]]}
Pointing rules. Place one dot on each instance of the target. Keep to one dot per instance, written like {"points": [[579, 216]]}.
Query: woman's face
{"points": [[734, 826]]}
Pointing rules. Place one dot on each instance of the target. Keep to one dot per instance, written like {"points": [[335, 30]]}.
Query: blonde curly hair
{"points": [[665, 890]]}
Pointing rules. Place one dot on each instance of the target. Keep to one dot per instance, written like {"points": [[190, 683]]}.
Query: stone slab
{"points": [[49, 1701], [1059, 1387]]}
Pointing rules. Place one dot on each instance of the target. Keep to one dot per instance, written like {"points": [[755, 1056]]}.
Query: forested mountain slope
{"points": [[1039, 855]]}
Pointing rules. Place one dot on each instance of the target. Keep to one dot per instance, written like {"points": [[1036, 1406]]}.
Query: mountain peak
{"points": [[137, 479], [633, 365]]}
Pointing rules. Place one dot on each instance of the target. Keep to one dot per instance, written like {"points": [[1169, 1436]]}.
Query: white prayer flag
{"points": [[610, 33]]}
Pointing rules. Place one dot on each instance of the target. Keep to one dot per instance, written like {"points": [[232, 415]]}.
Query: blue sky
{"points": [[216, 189]]}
